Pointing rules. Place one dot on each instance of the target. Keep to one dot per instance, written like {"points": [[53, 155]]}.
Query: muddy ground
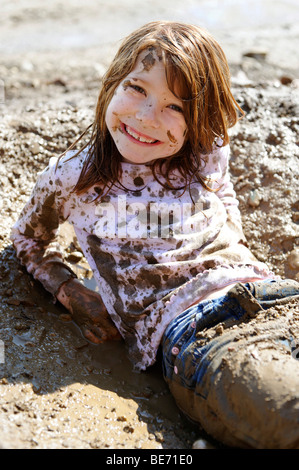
{"points": [[56, 389]]}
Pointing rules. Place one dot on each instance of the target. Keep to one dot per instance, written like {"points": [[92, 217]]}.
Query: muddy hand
{"points": [[88, 312]]}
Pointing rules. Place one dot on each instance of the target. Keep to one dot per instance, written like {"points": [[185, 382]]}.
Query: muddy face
{"points": [[171, 137], [144, 117]]}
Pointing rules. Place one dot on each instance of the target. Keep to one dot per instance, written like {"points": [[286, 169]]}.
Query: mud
{"points": [[253, 358], [148, 61], [56, 389]]}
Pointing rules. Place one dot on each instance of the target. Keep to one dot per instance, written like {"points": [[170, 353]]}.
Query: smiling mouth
{"points": [[137, 136]]}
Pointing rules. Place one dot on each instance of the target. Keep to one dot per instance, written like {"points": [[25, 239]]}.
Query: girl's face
{"points": [[144, 118]]}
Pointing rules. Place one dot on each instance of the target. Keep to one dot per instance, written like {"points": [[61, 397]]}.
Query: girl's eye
{"points": [[176, 108], [137, 88]]}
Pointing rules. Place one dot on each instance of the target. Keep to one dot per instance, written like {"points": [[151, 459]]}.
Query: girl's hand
{"points": [[88, 312]]}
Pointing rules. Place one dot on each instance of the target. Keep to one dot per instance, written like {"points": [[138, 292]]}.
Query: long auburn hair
{"points": [[195, 65]]}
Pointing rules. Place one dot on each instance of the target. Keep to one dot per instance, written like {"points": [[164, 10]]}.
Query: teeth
{"points": [[139, 137]]}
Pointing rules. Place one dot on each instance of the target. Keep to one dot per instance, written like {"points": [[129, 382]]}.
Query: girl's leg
{"points": [[236, 371]]}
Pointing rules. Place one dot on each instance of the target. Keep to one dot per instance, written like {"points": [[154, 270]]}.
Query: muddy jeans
{"points": [[232, 365]]}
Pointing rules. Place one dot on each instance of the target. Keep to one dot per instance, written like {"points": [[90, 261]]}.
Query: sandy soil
{"points": [[56, 389]]}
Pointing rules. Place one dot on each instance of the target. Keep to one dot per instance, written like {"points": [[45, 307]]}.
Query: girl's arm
{"points": [[34, 238], [34, 234]]}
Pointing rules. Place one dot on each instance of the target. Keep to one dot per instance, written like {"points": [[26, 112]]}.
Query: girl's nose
{"points": [[148, 114]]}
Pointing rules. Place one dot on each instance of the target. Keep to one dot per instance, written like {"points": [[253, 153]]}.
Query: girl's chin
{"points": [[135, 162]]}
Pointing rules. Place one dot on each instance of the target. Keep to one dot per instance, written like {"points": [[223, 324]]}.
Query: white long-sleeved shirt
{"points": [[153, 251]]}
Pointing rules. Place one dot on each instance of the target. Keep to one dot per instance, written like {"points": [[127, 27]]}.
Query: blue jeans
{"points": [[210, 349]]}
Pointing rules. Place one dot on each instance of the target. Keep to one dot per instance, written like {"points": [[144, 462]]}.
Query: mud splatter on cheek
{"points": [[171, 137]]}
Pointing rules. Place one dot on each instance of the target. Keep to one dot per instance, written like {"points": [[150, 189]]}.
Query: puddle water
{"points": [[22, 339], [59, 350]]}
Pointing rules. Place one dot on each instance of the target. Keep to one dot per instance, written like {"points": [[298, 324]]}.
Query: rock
{"points": [[202, 444], [34, 148], [241, 79], [26, 66], [258, 54], [285, 80], [57, 82], [21, 326], [128, 429], [74, 257], [254, 198], [13, 302], [219, 329], [295, 217], [65, 317], [293, 259], [22, 125]]}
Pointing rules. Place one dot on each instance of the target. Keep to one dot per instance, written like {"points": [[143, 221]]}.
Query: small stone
{"points": [[26, 66], [293, 259], [255, 355], [74, 257], [27, 303], [66, 317], [21, 326], [128, 429], [285, 80], [219, 329], [34, 148], [57, 82], [15, 302], [121, 418], [159, 436], [295, 217], [258, 54], [22, 125], [36, 388], [202, 444], [254, 198], [241, 79]]}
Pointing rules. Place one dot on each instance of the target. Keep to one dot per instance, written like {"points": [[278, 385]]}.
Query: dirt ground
{"points": [[56, 389]]}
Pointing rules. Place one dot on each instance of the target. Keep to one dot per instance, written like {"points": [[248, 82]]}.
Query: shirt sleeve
{"points": [[34, 235]]}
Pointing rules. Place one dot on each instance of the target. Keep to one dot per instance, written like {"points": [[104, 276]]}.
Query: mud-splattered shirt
{"points": [[153, 251]]}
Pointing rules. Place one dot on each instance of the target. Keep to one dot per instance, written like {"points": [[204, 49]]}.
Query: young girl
{"points": [[155, 213]]}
